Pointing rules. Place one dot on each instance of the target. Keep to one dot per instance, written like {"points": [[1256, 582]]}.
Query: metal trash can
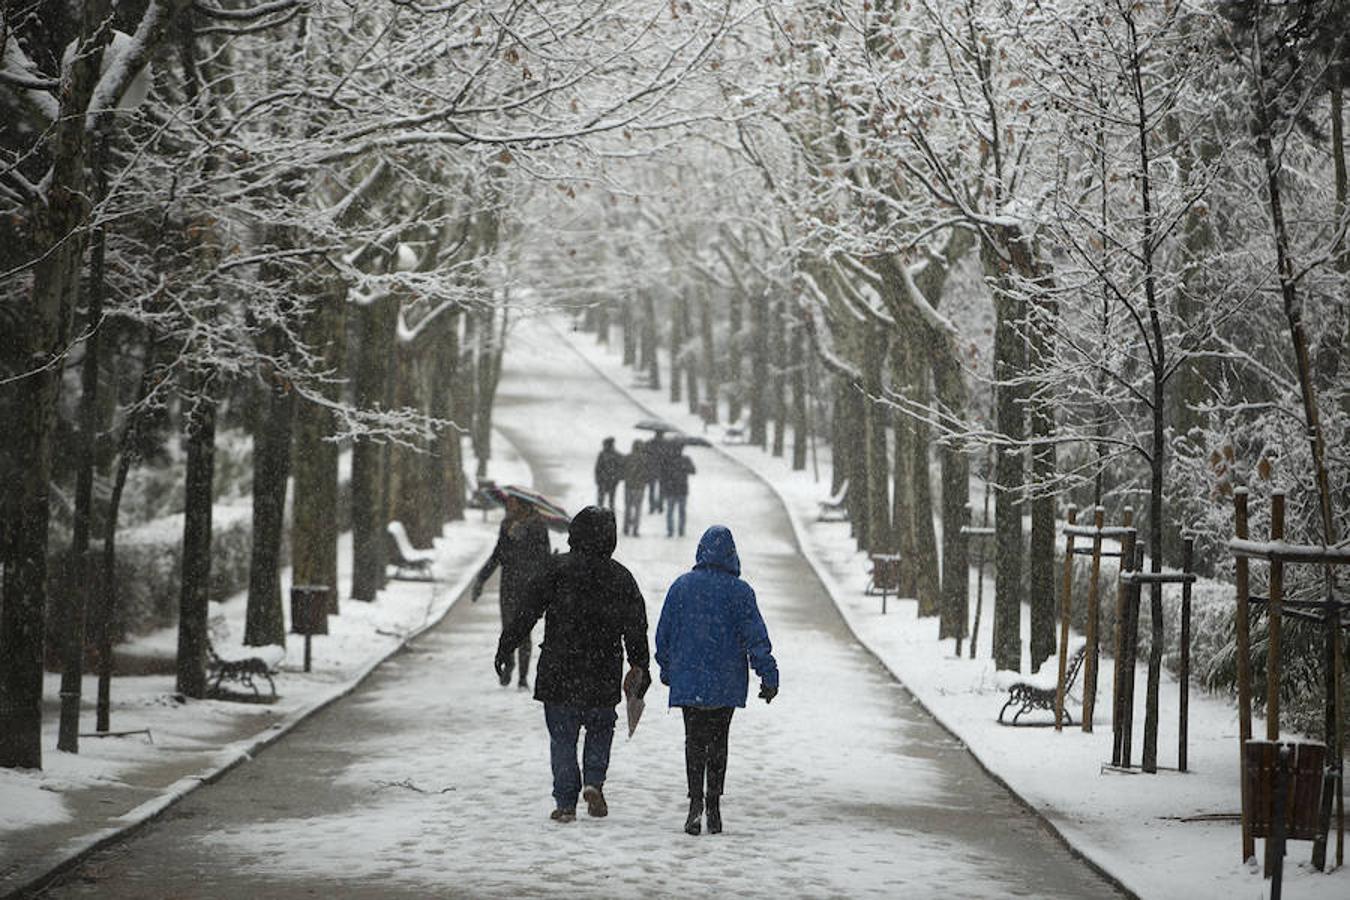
{"points": [[309, 609]]}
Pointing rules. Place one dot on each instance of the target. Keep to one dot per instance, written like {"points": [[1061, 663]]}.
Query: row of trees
{"points": [[292, 216], [1093, 250]]}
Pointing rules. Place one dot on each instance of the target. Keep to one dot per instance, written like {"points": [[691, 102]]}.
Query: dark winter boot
{"points": [[692, 825], [563, 816], [595, 801], [714, 814]]}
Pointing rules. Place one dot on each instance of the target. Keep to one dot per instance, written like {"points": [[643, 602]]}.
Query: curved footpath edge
{"points": [[232, 755], [832, 588]]}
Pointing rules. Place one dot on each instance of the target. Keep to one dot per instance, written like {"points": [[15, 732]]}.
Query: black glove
{"points": [[767, 693], [645, 683], [502, 663]]}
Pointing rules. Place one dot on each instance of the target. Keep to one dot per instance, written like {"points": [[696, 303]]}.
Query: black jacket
{"points": [[593, 612], [675, 475], [609, 467], [523, 553]]}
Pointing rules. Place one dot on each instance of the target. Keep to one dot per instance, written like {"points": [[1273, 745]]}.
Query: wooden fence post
{"points": [[1244, 673], [1065, 614], [1184, 706], [1273, 615], [1090, 663]]}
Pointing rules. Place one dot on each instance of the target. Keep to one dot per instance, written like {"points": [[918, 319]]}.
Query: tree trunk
{"points": [[875, 461], [1042, 559], [378, 319], [629, 332], [448, 456], [797, 356], [759, 368], [778, 381], [734, 358], [80, 581], [265, 617], [676, 344], [691, 363], [850, 443], [483, 393], [709, 355], [314, 508], [44, 328], [193, 609], [1009, 362], [951, 394]]}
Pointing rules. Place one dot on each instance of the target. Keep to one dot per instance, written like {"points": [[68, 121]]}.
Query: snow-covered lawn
{"points": [[1139, 828], [78, 800]]}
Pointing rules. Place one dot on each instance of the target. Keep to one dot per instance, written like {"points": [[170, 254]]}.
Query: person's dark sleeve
{"points": [[599, 466], [491, 565], [755, 640], [538, 593], [635, 625], [689, 465]]}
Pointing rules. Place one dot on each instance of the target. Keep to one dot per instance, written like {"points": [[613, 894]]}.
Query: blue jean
{"points": [[672, 501], [564, 725]]}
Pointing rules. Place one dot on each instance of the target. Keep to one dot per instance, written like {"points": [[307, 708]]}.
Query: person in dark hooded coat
{"points": [[710, 629], [609, 471], [634, 485], [593, 614], [522, 553]]}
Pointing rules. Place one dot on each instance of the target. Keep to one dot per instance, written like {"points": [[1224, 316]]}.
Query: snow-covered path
{"points": [[432, 780]]}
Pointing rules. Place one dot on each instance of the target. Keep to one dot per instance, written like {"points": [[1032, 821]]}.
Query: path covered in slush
{"points": [[432, 780]]}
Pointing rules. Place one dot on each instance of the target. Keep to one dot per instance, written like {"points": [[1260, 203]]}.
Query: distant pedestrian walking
{"points": [[522, 553], [710, 628], [609, 471], [657, 449], [634, 486], [593, 613], [675, 472]]}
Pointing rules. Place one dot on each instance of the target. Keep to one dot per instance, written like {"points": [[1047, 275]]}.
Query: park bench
{"points": [[484, 496], [243, 666], [835, 509], [1028, 696], [410, 564], [734, 433]]}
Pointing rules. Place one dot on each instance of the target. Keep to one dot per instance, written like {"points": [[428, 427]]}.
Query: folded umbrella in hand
{"points": [[632, 685]]}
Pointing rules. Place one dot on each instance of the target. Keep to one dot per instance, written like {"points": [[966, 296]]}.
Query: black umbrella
{"points": [[689, 440]]}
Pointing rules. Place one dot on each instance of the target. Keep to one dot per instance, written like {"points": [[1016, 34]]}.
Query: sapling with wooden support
{"points": [[1329, 612], [982, 534], [1097, 531], [1131, 580]]}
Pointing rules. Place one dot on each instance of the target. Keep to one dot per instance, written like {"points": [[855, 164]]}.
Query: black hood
{"points": [[592, 532]]}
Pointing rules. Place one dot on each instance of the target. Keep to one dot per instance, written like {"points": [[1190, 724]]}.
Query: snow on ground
{"points": [[435, 780], [1131, 825], [78, 799]]}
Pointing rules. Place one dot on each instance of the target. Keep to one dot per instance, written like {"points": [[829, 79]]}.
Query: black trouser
{"points": [[705, 748]]}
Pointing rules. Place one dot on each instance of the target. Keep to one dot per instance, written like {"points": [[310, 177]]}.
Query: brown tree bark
{"points": [[314, 509], [194, 598]]}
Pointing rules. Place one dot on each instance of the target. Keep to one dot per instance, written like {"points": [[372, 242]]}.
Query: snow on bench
{"points": [[407, 558]]}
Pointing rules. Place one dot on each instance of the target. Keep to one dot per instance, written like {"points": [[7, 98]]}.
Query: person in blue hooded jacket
{"points": [[710, 629]]}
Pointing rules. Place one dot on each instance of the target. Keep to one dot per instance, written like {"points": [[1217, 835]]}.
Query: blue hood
{"points": [[717, 550]]}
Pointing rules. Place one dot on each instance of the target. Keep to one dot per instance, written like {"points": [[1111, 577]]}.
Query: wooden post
{"points": [[1131, 641], [1274, 615], [963, 548], [1184, 704], [1120, 754], [1090, 662], [1117, 630], [1065, 614], [1244, 673]]}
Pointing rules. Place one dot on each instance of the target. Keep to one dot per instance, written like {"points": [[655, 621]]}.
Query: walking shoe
{"points": [[561, 815], [595, 801], [523, 685], [714, 815], [692, 825]]}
